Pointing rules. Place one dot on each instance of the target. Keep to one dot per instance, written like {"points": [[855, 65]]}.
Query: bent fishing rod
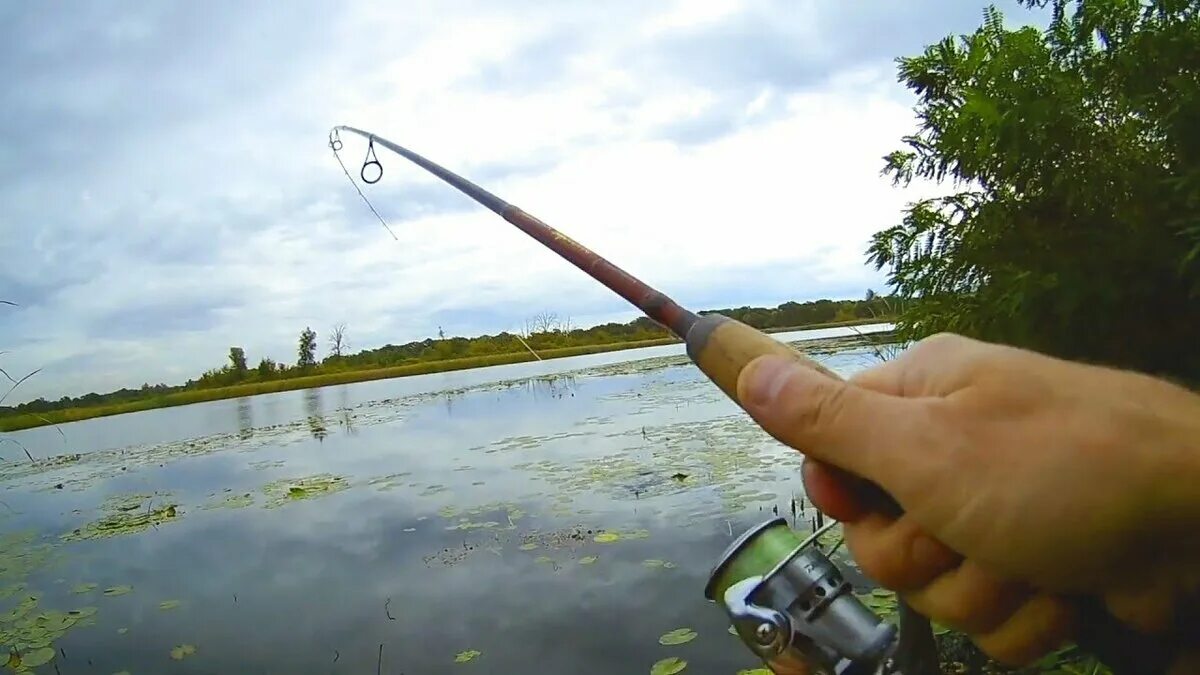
{"points": [[787, 600]]}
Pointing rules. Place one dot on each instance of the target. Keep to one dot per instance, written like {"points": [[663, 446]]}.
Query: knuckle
{"points": [[812, 409], [961, 612], [878, 561]]}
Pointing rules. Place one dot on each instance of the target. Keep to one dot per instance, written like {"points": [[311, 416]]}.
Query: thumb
{"points": [[886, 439]]}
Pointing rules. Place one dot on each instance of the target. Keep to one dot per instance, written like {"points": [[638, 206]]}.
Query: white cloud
{"points": [[219, 218]]}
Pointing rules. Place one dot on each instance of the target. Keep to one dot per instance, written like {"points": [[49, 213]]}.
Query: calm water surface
{"points": [[433, 515]]}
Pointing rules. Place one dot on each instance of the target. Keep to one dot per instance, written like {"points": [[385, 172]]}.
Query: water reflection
{"points": [[439, 497], [551, 386], [345, 414], [245, 418], [314, 414]]}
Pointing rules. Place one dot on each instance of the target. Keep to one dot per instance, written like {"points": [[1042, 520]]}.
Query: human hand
{"points": [[1021, 478]]}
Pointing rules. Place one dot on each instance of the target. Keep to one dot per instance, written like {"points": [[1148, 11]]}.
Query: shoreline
{"points": [[31, 420]]}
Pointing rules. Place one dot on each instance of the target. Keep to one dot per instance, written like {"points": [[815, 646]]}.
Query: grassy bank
{"points": [[28, 421]]}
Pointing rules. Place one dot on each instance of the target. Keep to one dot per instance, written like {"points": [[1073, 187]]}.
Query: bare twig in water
{"points": [[9, 303], [235, 598], [379, 663], [387, 611], [336, 655]]}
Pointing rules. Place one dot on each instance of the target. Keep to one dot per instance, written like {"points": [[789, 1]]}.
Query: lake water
{"points": [[440, 516]]}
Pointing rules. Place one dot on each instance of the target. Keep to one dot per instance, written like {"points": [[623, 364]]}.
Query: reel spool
{"points": [[793, 608]]}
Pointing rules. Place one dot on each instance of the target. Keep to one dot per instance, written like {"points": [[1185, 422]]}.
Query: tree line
{"points": [[545, 331]]}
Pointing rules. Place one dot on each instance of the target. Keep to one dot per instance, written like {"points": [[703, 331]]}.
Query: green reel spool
{"points": [[793, 608]]}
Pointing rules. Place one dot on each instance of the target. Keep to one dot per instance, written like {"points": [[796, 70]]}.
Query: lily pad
{"points": [[606, 537], [84, 588], [113, 591], [168, 604], [467, 656], [81, 613], [528, 547], [180, 652], [54, 622], [677, 637], [122, 631], [668, 666], [755, 671], [37, 657], [587, 560]]}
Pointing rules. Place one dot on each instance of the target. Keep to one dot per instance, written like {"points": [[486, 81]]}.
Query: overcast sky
{"points": [[166, 190]]}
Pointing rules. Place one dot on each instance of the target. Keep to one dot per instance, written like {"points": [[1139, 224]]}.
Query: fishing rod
{"points": [[789, 603]]}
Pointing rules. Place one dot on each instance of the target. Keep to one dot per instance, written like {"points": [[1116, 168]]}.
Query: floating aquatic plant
{"points": [[467, 656], [289, 490], [180, 652], [126, 515], [668, 666], [677, 637]]}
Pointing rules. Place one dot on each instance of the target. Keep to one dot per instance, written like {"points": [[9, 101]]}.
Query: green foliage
{"points": [[266, 369], [308, 349], [1074, 153]]}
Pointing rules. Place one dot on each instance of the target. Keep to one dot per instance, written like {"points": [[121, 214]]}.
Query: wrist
{"points": [[1176, 488]]}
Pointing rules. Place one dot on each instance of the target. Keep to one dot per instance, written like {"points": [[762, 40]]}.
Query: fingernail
{"points": [[765, 378]]}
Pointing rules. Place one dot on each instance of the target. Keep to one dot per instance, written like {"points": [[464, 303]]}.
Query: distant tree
{"points": [[337, 339], [543, 322], [308, 349], [237, 362], [266, 368]]}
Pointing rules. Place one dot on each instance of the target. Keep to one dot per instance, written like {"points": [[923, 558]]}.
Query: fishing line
{"points": [[335, 144]]}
